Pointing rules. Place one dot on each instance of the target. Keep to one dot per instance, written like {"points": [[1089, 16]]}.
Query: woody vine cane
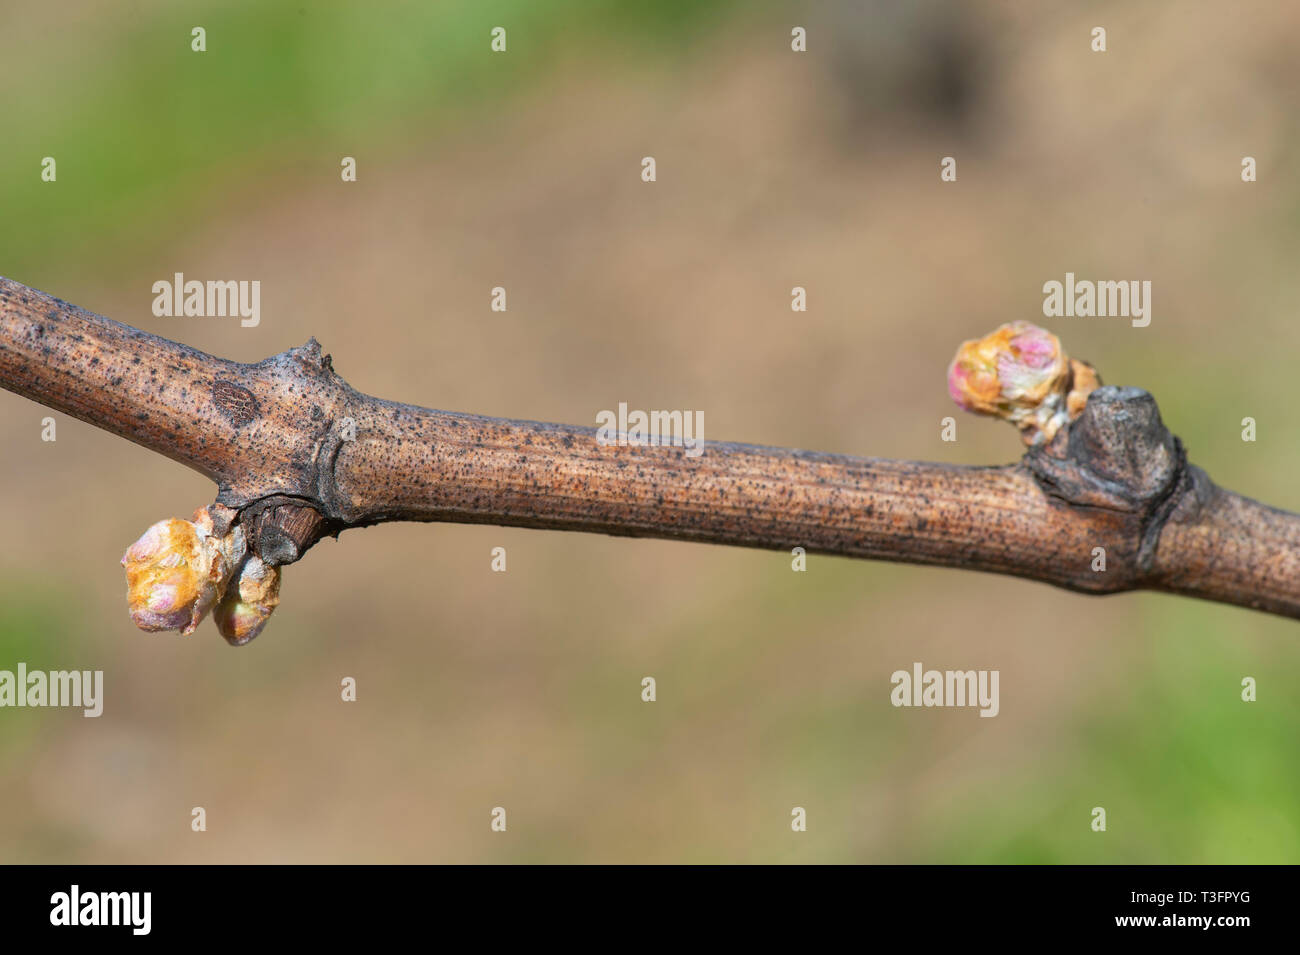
{"points": [[297, 455]]}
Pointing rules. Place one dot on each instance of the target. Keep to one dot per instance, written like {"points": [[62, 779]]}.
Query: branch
{"points": [[297, 454]]}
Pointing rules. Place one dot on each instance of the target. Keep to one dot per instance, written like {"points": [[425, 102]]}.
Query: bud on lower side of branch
{"points": [[179, 570]]}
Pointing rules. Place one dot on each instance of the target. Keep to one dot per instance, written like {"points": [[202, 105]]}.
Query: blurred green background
{"points": [[775, 169]]}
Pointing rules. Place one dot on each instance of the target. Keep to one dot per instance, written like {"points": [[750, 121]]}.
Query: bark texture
{"points": [[297, 454]]}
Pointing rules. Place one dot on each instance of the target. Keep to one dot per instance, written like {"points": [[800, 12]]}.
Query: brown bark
{"points": [[277, 438]]}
